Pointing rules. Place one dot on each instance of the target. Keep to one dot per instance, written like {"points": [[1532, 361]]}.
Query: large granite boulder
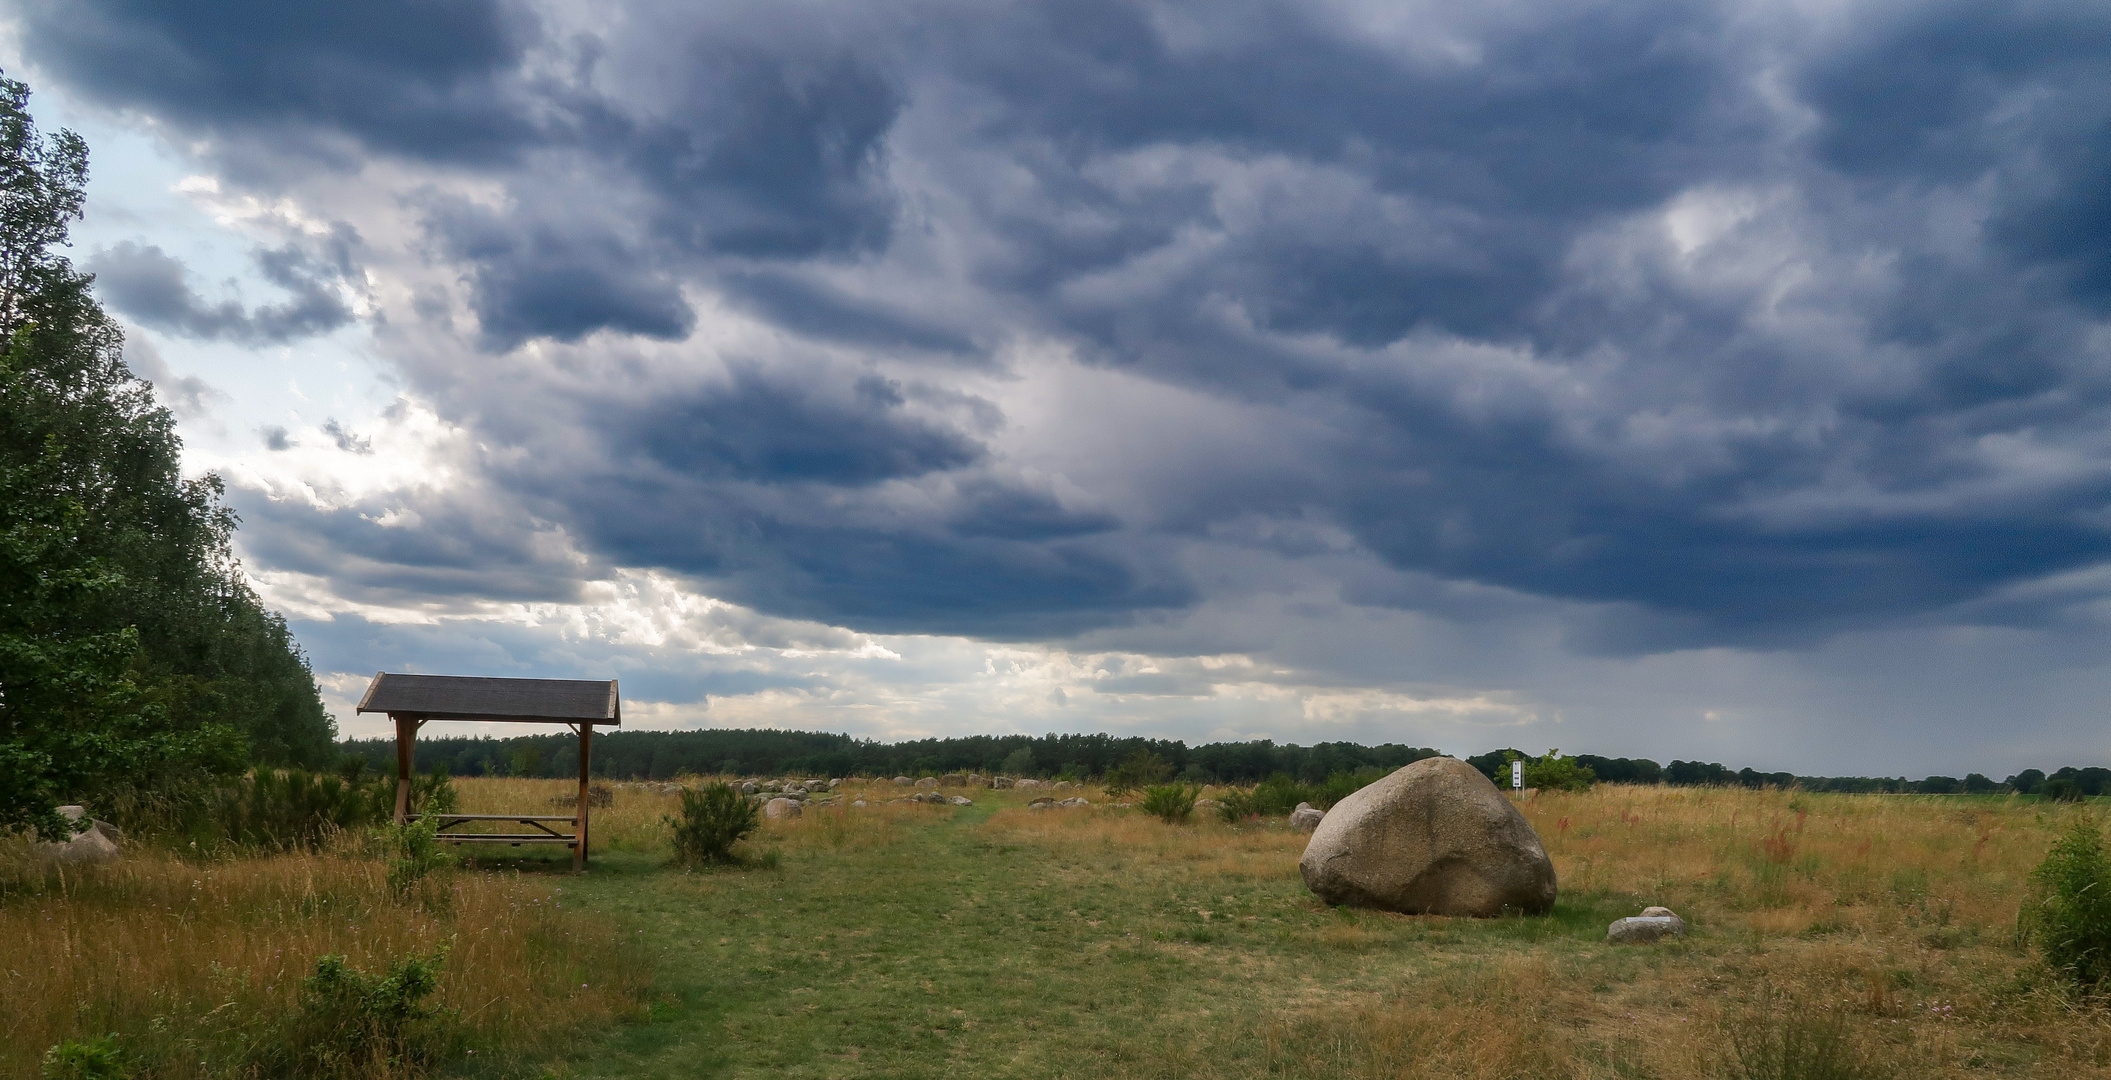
{"points": [[1434, 838], [781, 809]]}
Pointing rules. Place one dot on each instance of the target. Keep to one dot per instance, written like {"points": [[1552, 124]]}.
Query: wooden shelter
{"points": [[579, 704]]}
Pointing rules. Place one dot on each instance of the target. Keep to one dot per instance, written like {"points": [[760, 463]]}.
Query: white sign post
{"points": [[1517, 776]]}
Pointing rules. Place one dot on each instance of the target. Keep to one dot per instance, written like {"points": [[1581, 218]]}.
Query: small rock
{"points": [[1306, 818], [1027, 782], [961, 800], [1658, 913], [1042, 803], [1002, 783], [903, 781], [833, 783], [1075, 802], [1063, 785], [1645, 929], [781, 808], [952, 779], [854, 802], [928, 783]]}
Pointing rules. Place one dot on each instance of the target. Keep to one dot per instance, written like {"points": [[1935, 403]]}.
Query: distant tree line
{"points": [[659, 755], [762, 752]]}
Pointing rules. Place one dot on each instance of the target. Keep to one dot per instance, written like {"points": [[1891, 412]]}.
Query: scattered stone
{"points": [[961, 800], [97, 843], [833, 783], [1658, 913], [853, 802], [1433, 838], [928, 783], [1646, 929], [1001, 783], [1063, 785], [904, 781], [1027, 782], [1075, 802], [1306, 818], [952, 779], [1042, 803], [794, 794], [780, 808]]}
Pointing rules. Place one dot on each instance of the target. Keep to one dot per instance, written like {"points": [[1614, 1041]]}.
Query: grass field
{"points": [[1834, 936]]}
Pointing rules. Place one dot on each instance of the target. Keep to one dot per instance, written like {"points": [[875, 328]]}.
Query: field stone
{"points": [[1075, 802], [1658, 913], [903, 781], [857, 802], [961, 800], [98, 843], [780, 808], [1026, 782], [1042, 803], [1001, 783], [927, 783], [1645, 929], [1306, 818], [1433, 838], [1063, 785], [952, 779]]}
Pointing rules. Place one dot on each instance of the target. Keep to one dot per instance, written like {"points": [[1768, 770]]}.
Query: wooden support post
{"points": [[586, 755], [406, 739]]}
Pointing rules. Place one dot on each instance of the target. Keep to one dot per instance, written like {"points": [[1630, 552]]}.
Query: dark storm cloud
{"points": [[771, 432], [1750, 328], [152, 287], [434, 78]]}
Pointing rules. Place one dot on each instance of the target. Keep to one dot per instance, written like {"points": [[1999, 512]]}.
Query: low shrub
{"points": [[86, 1059], [352, 1022], [414, 852], [1170, 803], [712, 819], [1770, 1042], [1143, 769], [1280, 794], [2069, 913]]}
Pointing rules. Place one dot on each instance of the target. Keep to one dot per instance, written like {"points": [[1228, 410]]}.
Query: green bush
{"points": [[1143, 769], [92, 1059], [712, 819], [1280, 794], [352, 1022], [2069, 913], [1170, 803], [414, 851], [1552, 772]]}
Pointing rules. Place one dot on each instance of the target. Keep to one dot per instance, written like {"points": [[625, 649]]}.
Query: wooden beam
{"points": [[406, 738], [586, 753]]}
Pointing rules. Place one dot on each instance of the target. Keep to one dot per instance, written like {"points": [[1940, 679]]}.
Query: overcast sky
{"points": [[1670, 379]]}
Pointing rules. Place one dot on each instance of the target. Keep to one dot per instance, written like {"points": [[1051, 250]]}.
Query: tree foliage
{"points": [[129, 644]]}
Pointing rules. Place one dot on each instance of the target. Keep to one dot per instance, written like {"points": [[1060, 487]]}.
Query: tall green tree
{"points": [[129, 644]]}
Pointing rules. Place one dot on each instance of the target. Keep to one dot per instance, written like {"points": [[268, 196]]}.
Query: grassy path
{"points": [[925, 941]]}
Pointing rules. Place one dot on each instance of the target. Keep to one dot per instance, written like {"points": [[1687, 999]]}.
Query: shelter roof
{"points": [[466, 697]]}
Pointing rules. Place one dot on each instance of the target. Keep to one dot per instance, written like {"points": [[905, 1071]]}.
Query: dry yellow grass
{"points": [[188, 961]]}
